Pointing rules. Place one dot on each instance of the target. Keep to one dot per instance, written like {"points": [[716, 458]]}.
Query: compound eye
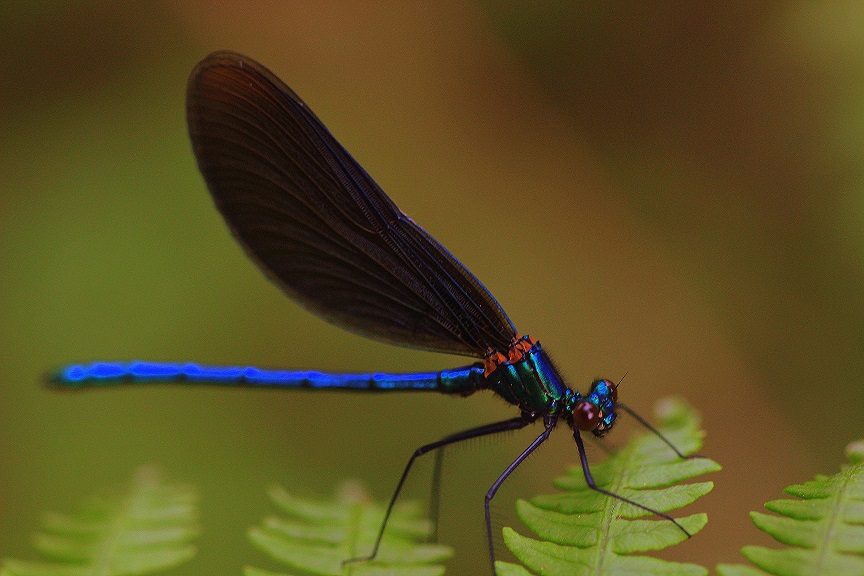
{"points": [[605, 388], [613, 391], [586, 416]]}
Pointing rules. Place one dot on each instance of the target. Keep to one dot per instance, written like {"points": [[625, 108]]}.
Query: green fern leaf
{"points": [[583, 532], [316, 537], [824, 528], [145, 529]]}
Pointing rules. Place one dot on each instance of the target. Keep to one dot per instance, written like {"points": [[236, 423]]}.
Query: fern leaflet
{"points": [[316, 537], [147, 528], [824, 528]]}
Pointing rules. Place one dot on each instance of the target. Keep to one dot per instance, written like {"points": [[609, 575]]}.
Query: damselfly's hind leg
{"points": [[488, 429]]}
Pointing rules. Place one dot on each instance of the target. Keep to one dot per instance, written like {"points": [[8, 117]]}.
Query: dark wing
{"points": [[319, 226]]}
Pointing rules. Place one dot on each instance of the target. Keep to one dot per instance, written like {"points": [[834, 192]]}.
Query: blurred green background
{"points": [[667, 189]]}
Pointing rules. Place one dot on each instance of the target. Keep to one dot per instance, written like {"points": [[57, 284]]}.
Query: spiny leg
{"points": [[654, 430], [550, 424], [593, 485], [494, 428]]}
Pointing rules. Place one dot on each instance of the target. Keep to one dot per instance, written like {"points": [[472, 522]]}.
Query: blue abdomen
{"points": [[462, 381]]}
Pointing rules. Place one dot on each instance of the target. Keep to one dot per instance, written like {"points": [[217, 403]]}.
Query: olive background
{"points": [[667, 190]]}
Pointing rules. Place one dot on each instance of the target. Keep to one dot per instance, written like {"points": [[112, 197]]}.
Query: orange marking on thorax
{"points": [[520, 346]]}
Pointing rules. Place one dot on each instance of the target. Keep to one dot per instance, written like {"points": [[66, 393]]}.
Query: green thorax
{"points": [[531, 383]]}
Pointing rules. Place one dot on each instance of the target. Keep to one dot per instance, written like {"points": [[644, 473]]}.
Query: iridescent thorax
{"points": [[527, 378]]}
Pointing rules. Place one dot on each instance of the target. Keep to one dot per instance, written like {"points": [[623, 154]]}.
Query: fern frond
{"points": [[824, 528], [317, 537], [584, 532], [147, 528]]}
